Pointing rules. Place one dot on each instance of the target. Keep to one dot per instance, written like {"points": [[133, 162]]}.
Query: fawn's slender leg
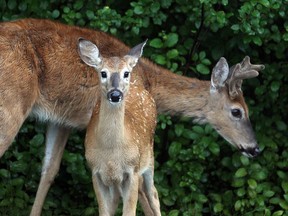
{"points": [[148, 195], [130, 194], [143, 198], [107, 197], [56, 138]]}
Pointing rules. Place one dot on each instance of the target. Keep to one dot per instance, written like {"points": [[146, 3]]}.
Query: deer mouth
{"points": [[250, 152], [115, 96]]}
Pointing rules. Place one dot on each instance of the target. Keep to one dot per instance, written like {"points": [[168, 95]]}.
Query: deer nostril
{"points": [[250, 152], [115, 96]]}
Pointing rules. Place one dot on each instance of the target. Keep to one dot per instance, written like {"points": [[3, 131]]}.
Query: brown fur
{"points": [[119, 143], [42, 74]]}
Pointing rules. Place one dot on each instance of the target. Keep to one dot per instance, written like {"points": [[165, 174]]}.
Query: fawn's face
{"points": [[114, 72], [115, 78]]}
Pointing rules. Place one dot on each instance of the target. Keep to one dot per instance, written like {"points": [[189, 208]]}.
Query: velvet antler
{"points": [[240, 71]]}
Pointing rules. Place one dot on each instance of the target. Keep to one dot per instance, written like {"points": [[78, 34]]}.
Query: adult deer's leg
{"points": [[56, 138], [18, 93]]}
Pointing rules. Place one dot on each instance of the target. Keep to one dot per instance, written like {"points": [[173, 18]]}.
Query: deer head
{"points": [[229, 113], [114, 72]]}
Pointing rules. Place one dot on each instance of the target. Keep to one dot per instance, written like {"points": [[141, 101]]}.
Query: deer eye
{"points": [[236, 113], [103, 74], [126, 74]]}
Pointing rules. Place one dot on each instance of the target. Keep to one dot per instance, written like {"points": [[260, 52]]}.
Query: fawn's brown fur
{"points": [[119, 143]]}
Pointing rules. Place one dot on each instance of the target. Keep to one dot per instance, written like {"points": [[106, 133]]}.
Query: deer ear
{"points": [[89, 53], [219, 74], [135, 53]]}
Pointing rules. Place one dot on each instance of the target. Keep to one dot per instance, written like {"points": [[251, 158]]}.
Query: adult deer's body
{"points": [[119, 143], [42, 74]]}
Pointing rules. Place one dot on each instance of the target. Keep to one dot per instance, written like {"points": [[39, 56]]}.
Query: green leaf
{"points": [[78, 5], [235, 27], [171, 40], [168, 201], [198, 129], [156, 43], [19, 166], [202, 69], [238, 205], [284, 204], [5, 202], [55, 14], [174, 149], [4, 173], [12, 4], [281, 125], [174, 213], [278, 213], [179, 129], [17, 182], [218, 207], [241, 192], [252, 183], [90, 211], [244, 160], [275, 85], [90, 14], [172, 53], [159, 59], [202, 55], [138, 10], [284, 185], [155, 6], [268, 193], [214, 148], [241, 172], [265, 3], [22, 6], [37, 140], [257, 40]]}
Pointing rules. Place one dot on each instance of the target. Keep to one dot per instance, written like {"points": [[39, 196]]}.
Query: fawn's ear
{"points": [[89, 53], [219, 75], [135, 53]]}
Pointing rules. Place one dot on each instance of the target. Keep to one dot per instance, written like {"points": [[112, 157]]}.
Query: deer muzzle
{"points": [[250, 152], [115, 96]]}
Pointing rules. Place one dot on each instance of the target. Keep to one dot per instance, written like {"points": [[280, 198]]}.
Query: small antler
{"points": [[240, 71]]}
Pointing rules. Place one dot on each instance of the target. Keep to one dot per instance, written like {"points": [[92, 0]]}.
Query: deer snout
{"points": [[250, 151], [115, 96]]}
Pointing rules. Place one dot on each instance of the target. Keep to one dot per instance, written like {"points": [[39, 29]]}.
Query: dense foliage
{"points": [[197, 172]]}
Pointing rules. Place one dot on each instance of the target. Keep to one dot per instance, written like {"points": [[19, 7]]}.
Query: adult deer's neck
{"points": [[175, 94], [111, 123]]}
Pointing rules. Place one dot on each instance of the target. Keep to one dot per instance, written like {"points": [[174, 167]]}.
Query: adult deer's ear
{"points": [[89, 53], [219, 75], [135, 53]]}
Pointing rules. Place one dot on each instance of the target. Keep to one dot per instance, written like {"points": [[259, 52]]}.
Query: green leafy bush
{"points": [[197, 172]]}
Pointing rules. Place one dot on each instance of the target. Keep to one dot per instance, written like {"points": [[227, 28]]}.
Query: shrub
{"points": [[197, 173]]}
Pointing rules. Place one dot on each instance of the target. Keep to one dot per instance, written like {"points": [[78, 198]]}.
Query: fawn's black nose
{"points": [[115, 96]]}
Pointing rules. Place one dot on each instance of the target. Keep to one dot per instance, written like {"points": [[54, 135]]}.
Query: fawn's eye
{"points": [[236, 113], [103, 74], [126, 74]]}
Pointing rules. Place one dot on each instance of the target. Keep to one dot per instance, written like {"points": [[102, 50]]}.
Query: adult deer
{"points": [[119, 139], [41, 76]]}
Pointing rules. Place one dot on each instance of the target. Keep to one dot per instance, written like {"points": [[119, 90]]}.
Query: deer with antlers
{"points": [[119, 143], [48, 82]]}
